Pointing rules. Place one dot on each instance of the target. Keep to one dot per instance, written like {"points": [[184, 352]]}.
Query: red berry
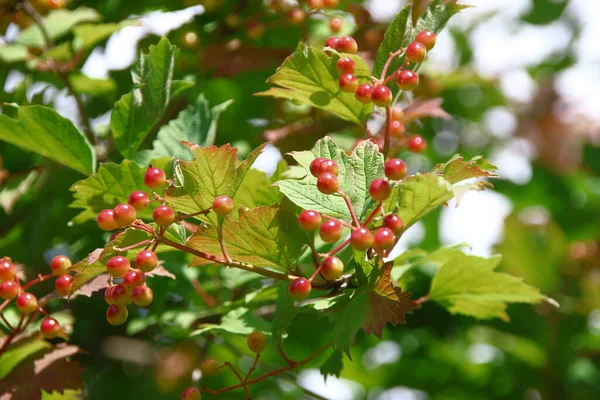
{"points": [[382, 96], [328, 183], [314, 4], [300, 288], [222, 205], [255, 30], [190, 393], [345, 65], [395, 169], [163, 215], [8, 271], [427, 38], [384, 239], [397, 128], [27, 303], [361, 239], [154, 178], [407, 80], [49, 328], [348, 83], [363, 92], [331, 3], [118, 266], [309, 220], [416, 52], [314, 166], [116, 314], [210, 367], [59, 265], [394, 223], [146, 260], [328, 166], [332, 268], [9, 290], [118, 295], [335, 24], [332, 42], [139, 200], [63, 285], [331, 231], [417, 144], [132, 279], [106, 220], [257, 341], [142, 296], [347, 44], [397, 114], [124, 215], [380, 189], [296, 16]]}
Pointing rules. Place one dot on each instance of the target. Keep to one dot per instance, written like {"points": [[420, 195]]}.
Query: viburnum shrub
{"points": [[319, 233]]}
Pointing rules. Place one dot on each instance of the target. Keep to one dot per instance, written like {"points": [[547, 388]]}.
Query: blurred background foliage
{"points": [[520, 79]]}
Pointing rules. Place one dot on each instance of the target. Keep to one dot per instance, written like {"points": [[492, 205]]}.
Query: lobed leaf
{"points": [[333, 365], [309, 76], [137, 113], [42, 130], [357, 171], [239, 321]]}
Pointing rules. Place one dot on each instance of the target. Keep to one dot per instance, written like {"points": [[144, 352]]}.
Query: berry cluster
{"points": [[132, 281], [27, 303], [381, 238]]}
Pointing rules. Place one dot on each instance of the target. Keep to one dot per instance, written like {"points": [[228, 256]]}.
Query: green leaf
{"points": [[239, 321], [57, 23], [468, 285], [309, 76], [357, 171], [42, 130], [111, 185], [68, 394], [88, 36], [333, 365], [285, 312], [196, 124], [417, 196], [457, 169], [213, 172], [401, 31], [19, 352], [94, 87], [137, 113], [264, 236], [12, 53]]}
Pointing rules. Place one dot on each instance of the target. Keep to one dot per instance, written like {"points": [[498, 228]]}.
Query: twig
{"points": [[39, 279], [422, 299], [350, 208], [388, 130], [33, 13]]}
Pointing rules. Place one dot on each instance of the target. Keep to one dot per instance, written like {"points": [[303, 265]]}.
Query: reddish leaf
{"points": [[457, 169], [387, 304], [425, 108]]}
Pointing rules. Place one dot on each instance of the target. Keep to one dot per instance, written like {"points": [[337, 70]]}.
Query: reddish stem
{"points": [[388, 62], [350, 208], [373, 214], [388, 130], [39, 279], [422, 299]]}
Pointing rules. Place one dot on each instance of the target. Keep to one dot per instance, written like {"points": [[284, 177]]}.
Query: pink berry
{"points": [[106, 220], [300, 288], [328, 166], [146, 260], [49, 328], [118, 266], [394, 223], [314, 166], [407, 80], [222, 205], [63, 285], [190, 393], [124, 215], [331, 231], [416, 52], [380, 189], [335, 24], [163, 215], [8, 271], [116, 314], [348, 83], [417, 144], [142, 296], [328, 183], [397, 128], [363, 92], [132, 279], [427, 38], [59, 265], [381, 96], [154, 178], [345, 65], [395, 169], [361, 239], [309, 220], [27, 303], [139, 200], [332, 42], [9, 290], [332, 268], [347, 44], [384, 239]]}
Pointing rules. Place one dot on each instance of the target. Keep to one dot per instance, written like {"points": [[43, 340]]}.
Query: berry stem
{"points": [[207, 298], [388, 62], [338, 248], [39, 279], [242, 381], [8, 325], [350, 208], [422, 299], [268, 374], [347, 225], [388, 129], [133, 246], [373, 214], [185, 216], [235, 264], [252, 368]]}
